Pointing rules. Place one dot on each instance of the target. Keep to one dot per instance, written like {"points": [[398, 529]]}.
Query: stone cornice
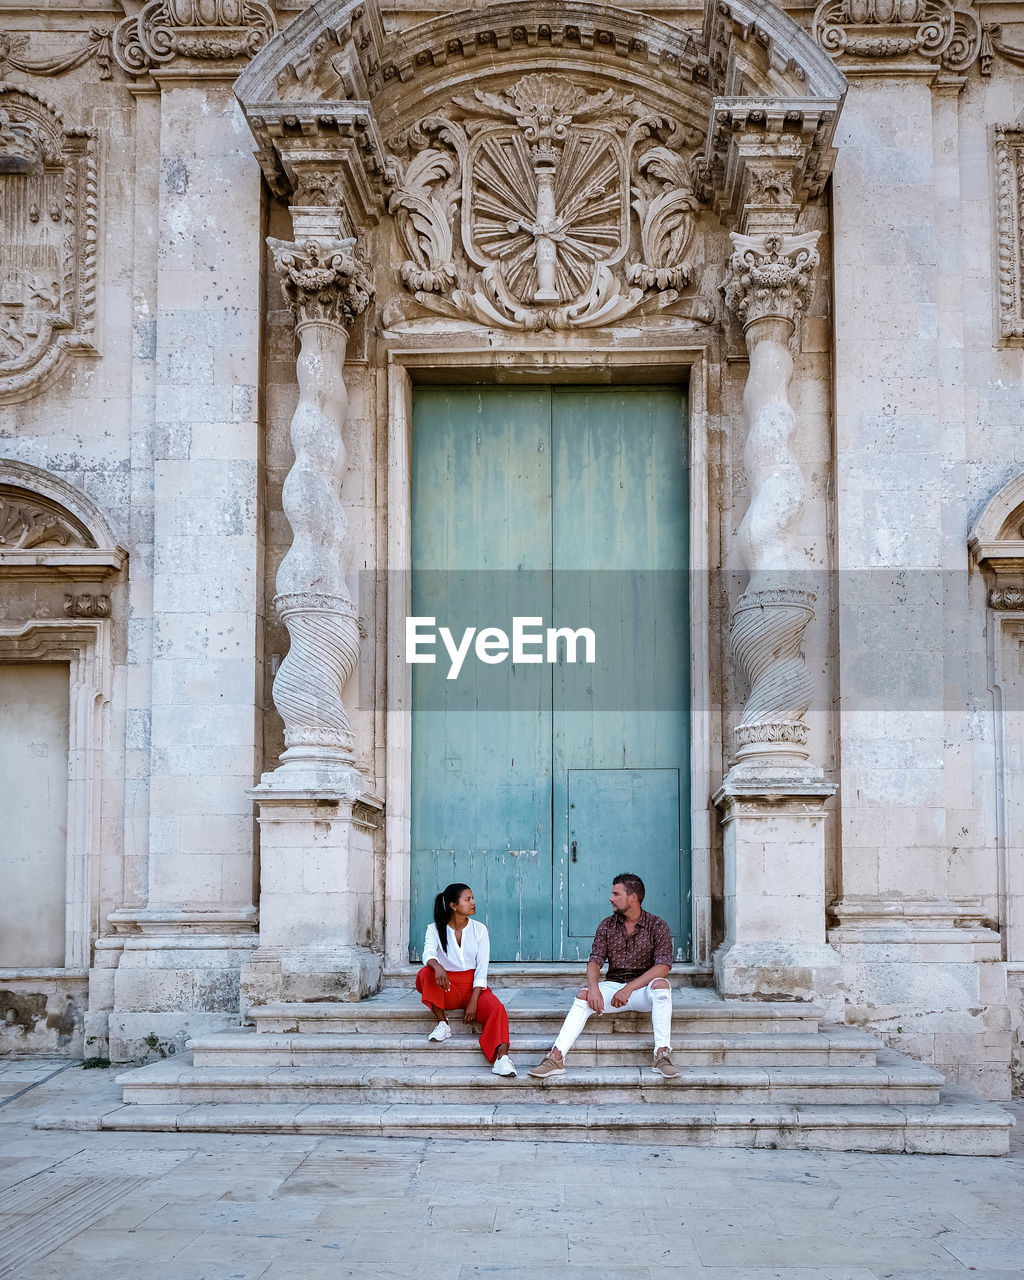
{"points": [[323, 155], [751, 137]]}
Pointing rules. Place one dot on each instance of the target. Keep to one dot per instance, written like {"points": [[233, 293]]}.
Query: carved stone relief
{"points": [[1006, 598], [992, 43], [12, 54], [27, 520], [1009, 149], [930, 31], [87, 604], [48, 209], [545, 183], [210, 30]]}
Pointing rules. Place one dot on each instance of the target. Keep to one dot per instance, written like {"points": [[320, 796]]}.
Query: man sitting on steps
{"points": [[638, 948]]}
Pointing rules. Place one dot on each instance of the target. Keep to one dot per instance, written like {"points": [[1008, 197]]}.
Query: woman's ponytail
{"points": [[443, 909]]}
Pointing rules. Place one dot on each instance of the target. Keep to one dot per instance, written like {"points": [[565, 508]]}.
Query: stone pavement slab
{"points": [[192, 1206]]}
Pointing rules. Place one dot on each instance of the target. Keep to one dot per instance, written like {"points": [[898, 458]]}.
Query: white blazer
{"points": [[475, 952]]}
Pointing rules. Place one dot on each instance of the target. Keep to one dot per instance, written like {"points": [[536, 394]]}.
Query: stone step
{"points": [[895, 1080], [537, 1010], [838, 1046], [564, 975], [957, 1125]]}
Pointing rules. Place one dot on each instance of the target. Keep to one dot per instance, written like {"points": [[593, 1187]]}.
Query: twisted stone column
{"points": [[326, 287], [769, 276], [318, 821], [772, 801]]}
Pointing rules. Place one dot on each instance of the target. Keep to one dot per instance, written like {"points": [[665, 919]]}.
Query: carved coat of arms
{"points": [[543, 181], [48, 211]]}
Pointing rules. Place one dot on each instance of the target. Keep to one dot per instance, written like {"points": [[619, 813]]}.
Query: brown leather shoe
{"points": [[663, 1063], [549, 1067]]}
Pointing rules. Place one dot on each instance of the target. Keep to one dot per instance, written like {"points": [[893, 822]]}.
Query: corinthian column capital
{"points": [[322, 279], [770, 275]]}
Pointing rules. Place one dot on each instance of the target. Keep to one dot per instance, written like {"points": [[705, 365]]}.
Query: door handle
{"points": [[574, 851]]}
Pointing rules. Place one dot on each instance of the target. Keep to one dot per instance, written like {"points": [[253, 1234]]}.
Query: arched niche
{"points": [[997, 547], [58, 553]]}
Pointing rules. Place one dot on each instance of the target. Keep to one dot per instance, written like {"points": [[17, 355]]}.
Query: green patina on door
{"points": [[536, 782]]}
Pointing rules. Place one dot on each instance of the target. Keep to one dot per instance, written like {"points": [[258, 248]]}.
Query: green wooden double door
{"points": [[537, 781]]}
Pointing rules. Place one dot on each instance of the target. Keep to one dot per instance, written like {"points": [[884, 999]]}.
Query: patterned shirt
{"points": [[630, 955]]}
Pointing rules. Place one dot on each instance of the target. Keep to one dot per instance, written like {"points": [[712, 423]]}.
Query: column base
{"points": [[809, 972], [927, 976], [773, 822], [311, 973], [319, 912], [176, 978]]}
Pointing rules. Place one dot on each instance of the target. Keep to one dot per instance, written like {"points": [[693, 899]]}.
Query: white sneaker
{"points": [[503, 1066], [441, 1032]]}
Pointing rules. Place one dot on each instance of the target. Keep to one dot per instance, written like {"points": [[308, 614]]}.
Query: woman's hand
{"points": [[469, 1014], [443, 981]]}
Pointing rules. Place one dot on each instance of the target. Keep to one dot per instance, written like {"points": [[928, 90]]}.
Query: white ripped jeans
{"points": [[657, 1001]]}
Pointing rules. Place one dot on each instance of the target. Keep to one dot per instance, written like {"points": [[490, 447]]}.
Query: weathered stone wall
{"points": [[909, 406]]}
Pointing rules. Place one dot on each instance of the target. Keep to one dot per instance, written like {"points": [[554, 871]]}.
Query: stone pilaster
{"points": [[189, 919]]}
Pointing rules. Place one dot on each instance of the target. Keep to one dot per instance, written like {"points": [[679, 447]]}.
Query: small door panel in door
{"points": [[622, 820]]}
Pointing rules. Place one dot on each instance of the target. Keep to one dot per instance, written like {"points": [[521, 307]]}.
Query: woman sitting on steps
{"points": [[456, 951]]}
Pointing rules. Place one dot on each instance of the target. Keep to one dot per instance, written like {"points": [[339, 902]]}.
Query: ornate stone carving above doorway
{"points": [[543, 179]]}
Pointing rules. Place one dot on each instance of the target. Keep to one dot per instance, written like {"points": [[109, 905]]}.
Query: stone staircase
{"points": [[751, 1074]]}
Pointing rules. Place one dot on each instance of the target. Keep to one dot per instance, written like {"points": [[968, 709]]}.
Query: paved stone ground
{"points": [[167, 1206]]}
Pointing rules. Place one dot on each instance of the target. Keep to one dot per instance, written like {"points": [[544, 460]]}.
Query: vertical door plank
{"points": [[620, 564], [481, 800]]}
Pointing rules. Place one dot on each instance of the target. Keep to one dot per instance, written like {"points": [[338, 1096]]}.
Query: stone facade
{"points": [[243, 233]]}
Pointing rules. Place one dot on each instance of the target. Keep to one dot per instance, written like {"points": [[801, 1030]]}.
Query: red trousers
{"points": [[490, 1012]]}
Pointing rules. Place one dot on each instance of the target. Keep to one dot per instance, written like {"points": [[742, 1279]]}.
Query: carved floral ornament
{"points": [[770, 275], [97, 45], [1009, 173], [322, 280], [926, 31], [209, 30], [48, 210], [517, 208]]}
